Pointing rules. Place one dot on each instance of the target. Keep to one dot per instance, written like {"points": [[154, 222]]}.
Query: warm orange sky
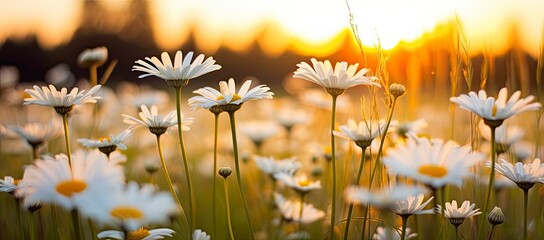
{"points": [[304, 26]]}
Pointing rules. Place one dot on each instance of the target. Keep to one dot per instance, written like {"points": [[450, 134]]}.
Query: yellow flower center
{"points": [[494, 110], [434, 171], [16, 181], [235, 97], [126, 212], [303, 181], [69, 187], [102, 139], [139, 234]]}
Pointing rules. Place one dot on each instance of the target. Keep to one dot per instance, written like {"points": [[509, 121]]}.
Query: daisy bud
{"points": [[151, 167], [496, 216], [96, 56], [225, 171], [397, 90]]}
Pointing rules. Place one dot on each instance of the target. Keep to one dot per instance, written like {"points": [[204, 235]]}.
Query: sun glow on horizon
{"points": [[307, 27]]}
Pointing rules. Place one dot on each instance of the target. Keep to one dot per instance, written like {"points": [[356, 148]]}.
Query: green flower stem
{"points": [[35, 152], [226, 188], [169, 181], [366, 216], [237, 166], [185, 160], [67, 138], [301, 211], [350, 209], [491, 177], [32, 226], [382, 141], [525, 205], [333, 162], [215, 137], [491, 233], [76, 224], [404, 222], [20, 218]]}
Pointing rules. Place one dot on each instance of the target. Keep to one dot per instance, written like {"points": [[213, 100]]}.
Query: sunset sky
{"points": [[307, 27]]}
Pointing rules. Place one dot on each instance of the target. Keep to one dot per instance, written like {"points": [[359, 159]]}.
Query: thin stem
{"points": [[382, 141], [35, 152], [185, 160], [92, 74], [237, 167], [169, 181], [525, 205], [491, 176], [333, 162], [20, 219], [491, 233], [214, 214], [76, 224], [67, 138], [456, 232], [32, 226], [404, 222], [300, 212], [350, 209], [226, 187], [55, 217], [366, 216]]}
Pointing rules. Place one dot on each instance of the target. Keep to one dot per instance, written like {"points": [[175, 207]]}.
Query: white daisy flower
{"points": [[130, 208], [362, 133], [290, 210], [95, 56], [388, 233], [139, 234], [108, 143], [340, 77], [288, 117], [51, 97], [210, 97], [458, 214], [411, 205], [492, 109], [403, 129], [299, 183], [504, 135], [179, 73], [200, 235], [432, 163], [520, 173], [38, 133], [51, 180], [151, 119], [382, 198], [271, 166], [8, 184]]}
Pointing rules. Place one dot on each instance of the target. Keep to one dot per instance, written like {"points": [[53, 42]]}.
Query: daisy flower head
{"points": [[495, 111], [8, 184], [388, 233], [524, 175], [362, 133], [139, 234], [433, 163], [180, 72], [200, 235], [457, 215], [157, 124], [108, 144], [300, 183], [383, 198], [335, 80], [62, 101], [96, 56], [271, 166], [37, 133], [290, 210], [130, 208], [227, 98], [259, 131], [51, 180], [411, 205], [404, 129]]}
